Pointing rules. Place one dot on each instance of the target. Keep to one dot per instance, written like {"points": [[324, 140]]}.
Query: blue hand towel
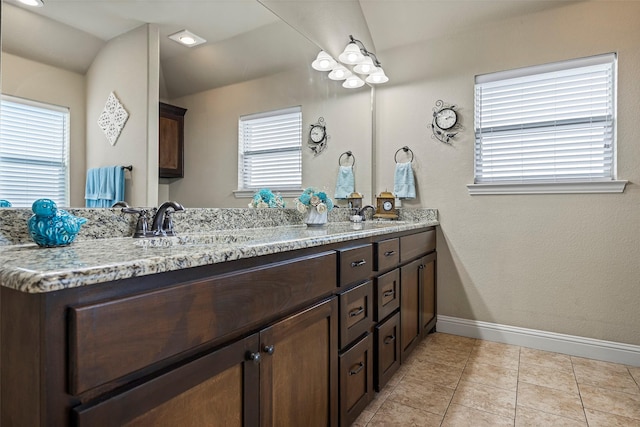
{"points": [[404, 186], [104, 186], [346, 182]]}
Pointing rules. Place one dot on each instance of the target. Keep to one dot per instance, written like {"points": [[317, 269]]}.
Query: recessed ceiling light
{"points": [[34, 3], [187, 38]]}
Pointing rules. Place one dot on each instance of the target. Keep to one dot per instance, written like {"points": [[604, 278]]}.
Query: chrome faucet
{"points": [[363, 214], [162, 224]]}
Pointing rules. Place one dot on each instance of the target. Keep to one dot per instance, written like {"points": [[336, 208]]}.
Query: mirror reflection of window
{"points": [[270, 150], [34, 152]]}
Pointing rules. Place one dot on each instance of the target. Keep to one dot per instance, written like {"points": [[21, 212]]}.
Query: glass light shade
{"points": [[324, 62], [353, 82], [351, 54], [340, 72], [34, 3], [366, 66], [377, 77]]}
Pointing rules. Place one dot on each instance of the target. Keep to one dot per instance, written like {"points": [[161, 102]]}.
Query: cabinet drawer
{"points": [[356, 264], [388, 350], [110, 339], [356, 312], [387, 294], [356, 380], [387, 254], [414, 245]]}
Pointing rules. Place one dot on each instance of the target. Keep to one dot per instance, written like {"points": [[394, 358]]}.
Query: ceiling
{"points": [[246, 38]]}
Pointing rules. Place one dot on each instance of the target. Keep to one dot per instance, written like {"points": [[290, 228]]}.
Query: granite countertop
{"points": [[29, 268]]}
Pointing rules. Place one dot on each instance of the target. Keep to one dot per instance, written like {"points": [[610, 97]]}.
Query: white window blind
{"points": [[34, 141], [547, 124], [270, 150]]}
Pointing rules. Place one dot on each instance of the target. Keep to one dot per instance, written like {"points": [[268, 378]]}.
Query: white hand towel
{"points": [[345, 184], [404, 186]]}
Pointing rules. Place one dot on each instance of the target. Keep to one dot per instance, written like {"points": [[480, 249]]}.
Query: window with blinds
{"points": [[34, 152], [270, 150], [553, 123]]}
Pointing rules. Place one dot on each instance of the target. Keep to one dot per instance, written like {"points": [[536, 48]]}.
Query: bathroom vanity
{"points": [[278, 326]]}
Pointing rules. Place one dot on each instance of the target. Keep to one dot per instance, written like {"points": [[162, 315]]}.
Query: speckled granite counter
{"points": [[28, 268]]}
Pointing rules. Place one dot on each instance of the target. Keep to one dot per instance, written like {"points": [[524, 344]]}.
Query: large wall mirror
{"points": [[73, 54]]}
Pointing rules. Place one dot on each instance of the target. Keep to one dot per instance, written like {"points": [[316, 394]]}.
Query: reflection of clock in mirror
{"points": [[386, 206], [318, 136]]}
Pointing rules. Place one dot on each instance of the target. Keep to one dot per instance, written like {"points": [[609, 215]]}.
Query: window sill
{"points": [[548, 188], [289, 192]]}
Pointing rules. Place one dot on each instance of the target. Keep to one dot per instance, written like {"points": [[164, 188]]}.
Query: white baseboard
{"points": [[549, 341]]}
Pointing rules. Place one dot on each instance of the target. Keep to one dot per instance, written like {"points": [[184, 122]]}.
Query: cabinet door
{"points": [[428, 294], [356, 380], [218, 389], [299, 369], [387, 350], [409, 307], [171, 141]]}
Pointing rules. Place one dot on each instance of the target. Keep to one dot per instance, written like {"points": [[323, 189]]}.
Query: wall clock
{"points": [[386, 206], [445, 123], [318, 136]]}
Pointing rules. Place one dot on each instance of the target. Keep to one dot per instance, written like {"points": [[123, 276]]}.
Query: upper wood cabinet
{"points": [[171, 141]]}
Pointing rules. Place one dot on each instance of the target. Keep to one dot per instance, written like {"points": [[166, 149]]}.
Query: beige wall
{"points": [[211, 134], [32, 80], [128, 66], [561, 263]]}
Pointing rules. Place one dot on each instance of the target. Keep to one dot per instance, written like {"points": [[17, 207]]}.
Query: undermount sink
{"points": [[191, 240]]}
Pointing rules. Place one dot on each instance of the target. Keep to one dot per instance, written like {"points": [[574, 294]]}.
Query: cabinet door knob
{"points": [[389, 339], [255, 357], [358, 263], [388, 293], [359, 367], [389, 253], [355, 312], [269, 349]]}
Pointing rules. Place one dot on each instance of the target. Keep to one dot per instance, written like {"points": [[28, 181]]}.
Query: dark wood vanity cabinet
{"points": [[171, 141]]}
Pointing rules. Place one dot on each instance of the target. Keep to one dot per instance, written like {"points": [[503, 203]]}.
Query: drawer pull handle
{"points": [[358, 311], [389, 339], [269, 349], [388, 293], [359, 368], [358, 263], [255, 357], [389, 253]]}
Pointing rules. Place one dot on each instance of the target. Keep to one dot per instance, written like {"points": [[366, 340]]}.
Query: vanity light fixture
{"points": [[355, 54], [187, 38], [33, 3]]}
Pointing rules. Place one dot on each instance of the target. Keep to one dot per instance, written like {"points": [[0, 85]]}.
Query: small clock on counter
{"points": [[386, 206]]}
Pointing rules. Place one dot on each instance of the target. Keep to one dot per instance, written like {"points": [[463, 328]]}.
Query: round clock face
{"points": [[317, 133], [387, 206], [446, 118]]}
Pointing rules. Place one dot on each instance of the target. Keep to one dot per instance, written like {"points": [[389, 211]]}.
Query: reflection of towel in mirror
{"points": [[346, 182], [404, 186], [104, 186]]}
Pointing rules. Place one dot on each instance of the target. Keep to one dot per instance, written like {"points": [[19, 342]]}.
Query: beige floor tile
{"points": [[421, 395], [492, 375], [530, 356], [618, 379], [500, 355], [463, 416], [547, 376], [610, 401], [379, 399], [485, 398], [396, 414], [614, 368], [435, 373], [445, 356], [364, 418], [527, 417], [545, 399], [635, 373], [602, 419], [452, 341]]}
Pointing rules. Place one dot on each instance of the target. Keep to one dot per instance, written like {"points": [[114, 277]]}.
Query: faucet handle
{"points": [[167, 224], [142, 226]]}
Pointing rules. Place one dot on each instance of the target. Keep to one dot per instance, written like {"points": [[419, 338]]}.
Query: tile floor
{"points": [[457, 381]]}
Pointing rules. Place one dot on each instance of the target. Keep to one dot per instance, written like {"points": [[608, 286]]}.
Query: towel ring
{"points": [[348, 154], [406, 150]]}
